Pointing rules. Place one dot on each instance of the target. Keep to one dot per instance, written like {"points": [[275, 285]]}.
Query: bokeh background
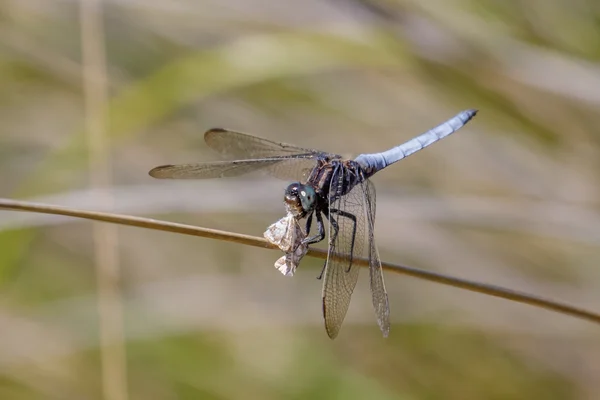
{"points": [[97, 312]]}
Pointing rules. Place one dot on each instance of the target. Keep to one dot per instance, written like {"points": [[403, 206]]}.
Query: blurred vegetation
{"points": [[512, 199]]}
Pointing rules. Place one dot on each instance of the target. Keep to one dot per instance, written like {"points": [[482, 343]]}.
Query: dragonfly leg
{"points": [[333, 237], [309, 223], [335, 227], [319, 236], [352, 218], [322, 271]]}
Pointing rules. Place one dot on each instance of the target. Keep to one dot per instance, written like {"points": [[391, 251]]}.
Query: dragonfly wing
{"points": [[341, 275], [283, 168], [237, 145], [218, 169], [248, 154], [292, 169], [378, 292]]}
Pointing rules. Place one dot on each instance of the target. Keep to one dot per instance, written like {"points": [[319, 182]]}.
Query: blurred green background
{"points": [[512, 199]]}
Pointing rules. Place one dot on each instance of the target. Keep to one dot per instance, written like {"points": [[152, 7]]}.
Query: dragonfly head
{"points": [[300, 199]]}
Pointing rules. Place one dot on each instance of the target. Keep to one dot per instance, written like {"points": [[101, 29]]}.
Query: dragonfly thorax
{"points": [[300, 199]]}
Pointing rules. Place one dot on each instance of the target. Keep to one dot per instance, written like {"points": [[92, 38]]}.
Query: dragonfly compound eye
{"points": [[307, 197], [292, 190], [293, 200]]}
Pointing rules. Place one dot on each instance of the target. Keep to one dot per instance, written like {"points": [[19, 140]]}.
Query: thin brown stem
{"points": [[140, 222]]}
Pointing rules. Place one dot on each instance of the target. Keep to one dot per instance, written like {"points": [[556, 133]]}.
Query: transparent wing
{"points": [[284, 168], [237, 145], [378, 292], [341, 275], [281, 160]]}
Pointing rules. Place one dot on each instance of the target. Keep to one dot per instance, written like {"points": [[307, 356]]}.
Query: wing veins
{"points": [[378, 292], [218, 169], [340, 276]]}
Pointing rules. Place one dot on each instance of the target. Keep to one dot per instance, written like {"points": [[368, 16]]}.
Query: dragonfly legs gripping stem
{"points": [[321, 229], [318, 237]]}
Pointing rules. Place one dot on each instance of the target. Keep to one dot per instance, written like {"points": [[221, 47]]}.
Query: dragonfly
{"points": [[325, 186]]}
